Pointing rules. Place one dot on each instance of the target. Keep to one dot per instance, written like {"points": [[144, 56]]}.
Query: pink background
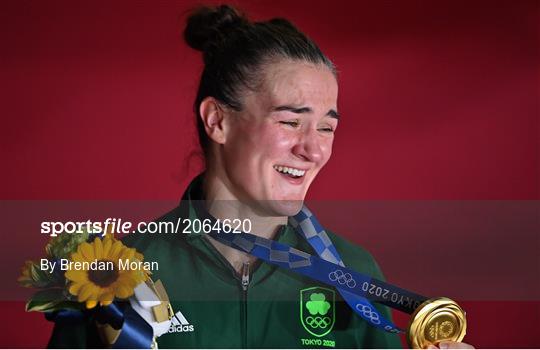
{"points": [[440, 100]]}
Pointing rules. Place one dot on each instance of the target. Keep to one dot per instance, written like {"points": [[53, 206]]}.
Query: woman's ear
{"points": [[213, 115]]}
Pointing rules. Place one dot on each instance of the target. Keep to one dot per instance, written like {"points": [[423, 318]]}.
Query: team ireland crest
{"points": [[317, 310]]}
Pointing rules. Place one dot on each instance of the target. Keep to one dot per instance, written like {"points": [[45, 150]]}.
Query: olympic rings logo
{"points": [[391, 329], [318, 322], [373, 316], [342, 278]]}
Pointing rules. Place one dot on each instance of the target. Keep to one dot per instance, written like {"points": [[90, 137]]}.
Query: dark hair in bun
{"points": [[235, 51], [207, 26]]}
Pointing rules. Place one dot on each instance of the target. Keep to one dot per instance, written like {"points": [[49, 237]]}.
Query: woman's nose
{"points": [[308, 147]]}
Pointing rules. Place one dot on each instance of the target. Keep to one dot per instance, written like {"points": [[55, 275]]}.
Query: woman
{"points": [[266, 114]]}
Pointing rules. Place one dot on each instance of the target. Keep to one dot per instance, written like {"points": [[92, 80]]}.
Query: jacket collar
{"points": [[193, 206]]}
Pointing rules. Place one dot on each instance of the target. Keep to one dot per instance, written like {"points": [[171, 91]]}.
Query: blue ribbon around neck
{"points": [[327, 267]]}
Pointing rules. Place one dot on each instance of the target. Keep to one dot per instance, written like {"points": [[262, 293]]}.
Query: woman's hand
{"points": [[451, 345]]}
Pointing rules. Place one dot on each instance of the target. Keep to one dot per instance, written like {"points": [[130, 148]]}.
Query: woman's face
{"points": [[278, 143]]}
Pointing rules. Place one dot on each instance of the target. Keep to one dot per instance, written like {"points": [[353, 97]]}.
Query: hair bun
{"points": [[207, 26]]}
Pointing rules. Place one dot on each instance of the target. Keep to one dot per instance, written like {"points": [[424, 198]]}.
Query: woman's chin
{"points": [[289, 207]]}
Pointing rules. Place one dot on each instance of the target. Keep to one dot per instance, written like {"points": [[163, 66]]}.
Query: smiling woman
{"points": [[267, 113], [271, 150]]}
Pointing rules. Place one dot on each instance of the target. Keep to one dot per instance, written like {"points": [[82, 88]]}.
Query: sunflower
{"points": [[94, 285]]}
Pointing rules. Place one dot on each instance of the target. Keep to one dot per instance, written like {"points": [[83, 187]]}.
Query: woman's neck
{"points": [[222, 204]]}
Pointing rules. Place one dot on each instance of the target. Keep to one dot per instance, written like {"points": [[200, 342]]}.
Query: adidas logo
{"points": [[180, 324]]}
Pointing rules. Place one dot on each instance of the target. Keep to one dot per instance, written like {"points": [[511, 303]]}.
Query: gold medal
{"points": [[434, 321]]}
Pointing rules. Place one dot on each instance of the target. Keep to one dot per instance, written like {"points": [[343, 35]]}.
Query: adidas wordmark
{"points": [[180, 324]]}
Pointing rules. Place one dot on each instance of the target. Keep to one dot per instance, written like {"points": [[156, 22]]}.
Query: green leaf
{"points": [[54, 306], [46, 300], [38, 275], [44, 279], [41, 306]]}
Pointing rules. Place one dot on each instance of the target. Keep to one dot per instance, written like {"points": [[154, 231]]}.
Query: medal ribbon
{"points": [[134, 331], [327, 267]]}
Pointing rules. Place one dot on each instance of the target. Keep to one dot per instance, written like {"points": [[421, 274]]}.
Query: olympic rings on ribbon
{"points": [[318, 322], [368, 313], [342, 278], [391, 329]]}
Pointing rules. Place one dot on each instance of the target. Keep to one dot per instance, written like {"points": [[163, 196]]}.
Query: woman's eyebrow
{"points": [[331, 113], [298, 110]]}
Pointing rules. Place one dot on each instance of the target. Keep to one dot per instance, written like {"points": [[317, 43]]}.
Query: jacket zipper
{"points": [[244, 284], [245, 277]]}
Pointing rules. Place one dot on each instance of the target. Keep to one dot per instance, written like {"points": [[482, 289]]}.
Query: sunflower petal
{"points": [[76, 256], [125, 279], [86, 292], [107, 244], [77, 275], [128, 254], [116, 249], [106, 298], [124, 292], [75, 288], [98, 248], [87, 251]]}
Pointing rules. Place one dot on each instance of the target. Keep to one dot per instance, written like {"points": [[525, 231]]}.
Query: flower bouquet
{"points": [[83, 277]]}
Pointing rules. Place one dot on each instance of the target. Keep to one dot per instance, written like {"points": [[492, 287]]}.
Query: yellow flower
{"points": [[93, 285]]}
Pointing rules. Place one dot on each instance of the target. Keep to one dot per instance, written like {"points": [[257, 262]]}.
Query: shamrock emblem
{"points": [[318, 304]]}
